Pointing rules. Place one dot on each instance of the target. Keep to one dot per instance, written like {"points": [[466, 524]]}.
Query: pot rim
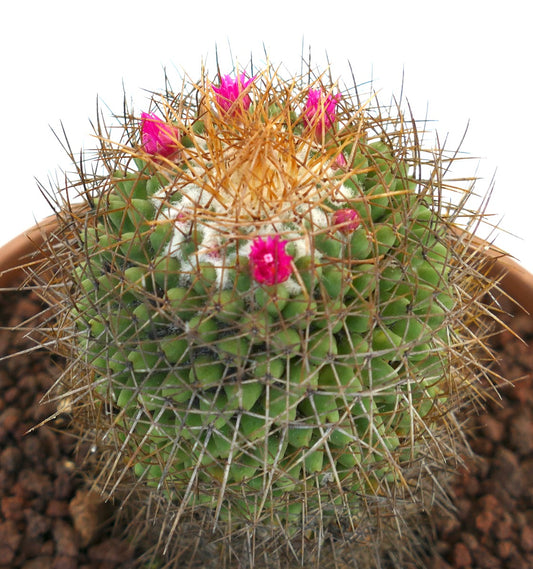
{"points": [[26, 250]]}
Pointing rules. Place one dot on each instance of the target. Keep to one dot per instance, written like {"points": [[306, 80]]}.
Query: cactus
{"points": [[267, 315]]}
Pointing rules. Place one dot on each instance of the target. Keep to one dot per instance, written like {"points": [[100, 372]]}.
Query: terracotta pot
{"points": [[25, 250], [515, 281]]}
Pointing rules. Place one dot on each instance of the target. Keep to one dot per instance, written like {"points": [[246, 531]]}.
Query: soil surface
{"points": [[49, 521], [493, 526]]}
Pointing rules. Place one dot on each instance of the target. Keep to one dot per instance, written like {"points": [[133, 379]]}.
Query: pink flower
{"points": [[319, 110], [269, 263], [232, 90], [341, 161], [157, 136], [347, 220]]}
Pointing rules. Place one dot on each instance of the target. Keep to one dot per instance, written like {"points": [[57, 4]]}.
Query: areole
{"points": [[26, 250], [268, 305]]}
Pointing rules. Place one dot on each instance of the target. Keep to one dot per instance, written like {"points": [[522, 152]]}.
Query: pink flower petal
{"points": [[269, 262], [231, 90], [320, 110], [157, 136], [341, 161], [347, 220]]}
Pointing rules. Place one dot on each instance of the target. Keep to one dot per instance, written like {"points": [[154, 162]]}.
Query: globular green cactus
{"points": [[267, 314]]}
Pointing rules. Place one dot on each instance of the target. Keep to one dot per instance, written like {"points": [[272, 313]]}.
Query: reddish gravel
{"points": [[493, 528], [48, 521]]}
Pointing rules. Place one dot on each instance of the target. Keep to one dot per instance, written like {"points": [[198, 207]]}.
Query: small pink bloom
{"points": [[347, 220], [231, 90], [341, 161], [319, 110], [157, 136], [183, 216], [269, 262]]}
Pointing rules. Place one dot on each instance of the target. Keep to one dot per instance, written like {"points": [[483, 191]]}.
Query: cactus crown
{"points": [[263, 300]]}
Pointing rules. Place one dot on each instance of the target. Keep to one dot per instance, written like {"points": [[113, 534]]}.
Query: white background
{"points": [[462, 63]]}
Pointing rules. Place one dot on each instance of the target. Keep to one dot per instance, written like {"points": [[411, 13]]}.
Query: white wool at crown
{"points": [[471, 81], [508, 206], [193, 198]]}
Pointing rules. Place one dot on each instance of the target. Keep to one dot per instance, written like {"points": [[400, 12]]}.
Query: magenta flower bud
{"points": [[319, 112], [232, 90], [269, 262], [346, 220], [157, 136], [341, 161]]}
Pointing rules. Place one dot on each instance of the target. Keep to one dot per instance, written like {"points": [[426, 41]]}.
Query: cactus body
{"points": [[266, 308]]}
